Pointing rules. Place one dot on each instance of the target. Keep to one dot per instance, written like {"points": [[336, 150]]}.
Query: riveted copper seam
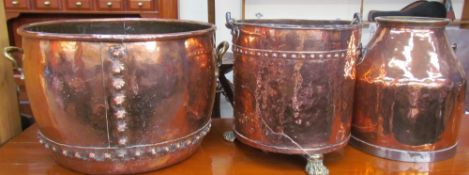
{"points": [[120, 96]]}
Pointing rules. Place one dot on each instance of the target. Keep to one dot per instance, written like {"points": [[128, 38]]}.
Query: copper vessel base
{"points": [[290, 150], [133, 159], [403, 155]]}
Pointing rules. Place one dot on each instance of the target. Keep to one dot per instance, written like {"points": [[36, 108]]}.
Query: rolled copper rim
{"points": [[186, 28], [412, 21], [299, 24]]}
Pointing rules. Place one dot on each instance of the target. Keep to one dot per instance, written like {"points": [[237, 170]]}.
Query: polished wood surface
{"points": [[9, 117], [24, 155]]}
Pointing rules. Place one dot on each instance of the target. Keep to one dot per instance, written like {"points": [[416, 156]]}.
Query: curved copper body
{"points": [[294, 82], [120, 96], [410, 90]]}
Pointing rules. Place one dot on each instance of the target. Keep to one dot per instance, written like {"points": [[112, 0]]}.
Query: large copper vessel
{"points": [[409, 96], [114, 96], [293, 85]]}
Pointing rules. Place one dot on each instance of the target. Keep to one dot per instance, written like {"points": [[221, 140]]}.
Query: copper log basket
{"points": [[119, 96], [410, 91], [293, 85]]}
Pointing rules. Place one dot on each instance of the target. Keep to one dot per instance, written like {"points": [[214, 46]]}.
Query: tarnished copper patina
{"points": [[115, 96], [409, 96], [293, 84]]}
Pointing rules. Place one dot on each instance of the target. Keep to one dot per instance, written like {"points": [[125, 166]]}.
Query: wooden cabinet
{"points": [[20, 12], [110, 5], [47, 4], [140, 5], [16, 4], [84, 5], [144, 8]]}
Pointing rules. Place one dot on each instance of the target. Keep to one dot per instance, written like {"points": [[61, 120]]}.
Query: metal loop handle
{"points": [[231, 24], [7, 52], [221, 51], [229, 21], [223, 84], [357, 18]]}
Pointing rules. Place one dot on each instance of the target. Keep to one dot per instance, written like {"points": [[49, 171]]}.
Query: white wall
{"points": [[221, 7], [193, 10], [326, 9], [300, 9], [198, 10]]}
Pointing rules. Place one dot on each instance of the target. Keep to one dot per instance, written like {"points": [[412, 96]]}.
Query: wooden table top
{"points": [[24, 155]]}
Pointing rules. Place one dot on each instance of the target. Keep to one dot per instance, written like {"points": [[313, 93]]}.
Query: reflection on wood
{"points": [[24, 155]]}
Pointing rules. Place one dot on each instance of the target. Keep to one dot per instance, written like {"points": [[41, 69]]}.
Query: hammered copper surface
{"points": [[294, 83], [409, 96], [120, 96]]}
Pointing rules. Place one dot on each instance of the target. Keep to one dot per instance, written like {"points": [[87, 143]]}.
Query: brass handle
{"points": [[221, 50], [223, 84], [109, 4], [15, 2], [78, 4], [47, 3], [140, 4], [7, 52]]}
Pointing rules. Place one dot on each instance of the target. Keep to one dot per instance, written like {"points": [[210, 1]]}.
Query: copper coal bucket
{"points": [[410, 92], [293, 85], [114, 96]]}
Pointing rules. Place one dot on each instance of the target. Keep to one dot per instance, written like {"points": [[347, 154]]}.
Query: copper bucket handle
{"points": [[8, 53], [231, 24]]}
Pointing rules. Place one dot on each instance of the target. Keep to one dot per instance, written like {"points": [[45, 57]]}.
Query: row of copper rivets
{"points": [[198, 52], [280, 54], [117, 53], [102, 154]]}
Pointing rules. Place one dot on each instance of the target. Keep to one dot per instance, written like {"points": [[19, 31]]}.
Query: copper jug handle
{"points": [[224, 86], [8, 53], [357, 20]]}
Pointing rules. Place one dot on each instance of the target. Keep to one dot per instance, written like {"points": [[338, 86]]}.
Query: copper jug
{"points": [[293, 85], [115, 96], [410, 89]]}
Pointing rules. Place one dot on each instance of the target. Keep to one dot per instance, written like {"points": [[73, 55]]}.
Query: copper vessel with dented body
{"points": [[114, 96], [410, 90], [293, 84]]}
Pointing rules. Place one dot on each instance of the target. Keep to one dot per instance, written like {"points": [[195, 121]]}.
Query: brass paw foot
{"points": [[315, 165], [229, 136]]}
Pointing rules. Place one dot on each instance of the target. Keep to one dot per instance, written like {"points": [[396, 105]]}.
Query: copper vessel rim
{"points": [[412, 21], [297, 24], [25, 31]]}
